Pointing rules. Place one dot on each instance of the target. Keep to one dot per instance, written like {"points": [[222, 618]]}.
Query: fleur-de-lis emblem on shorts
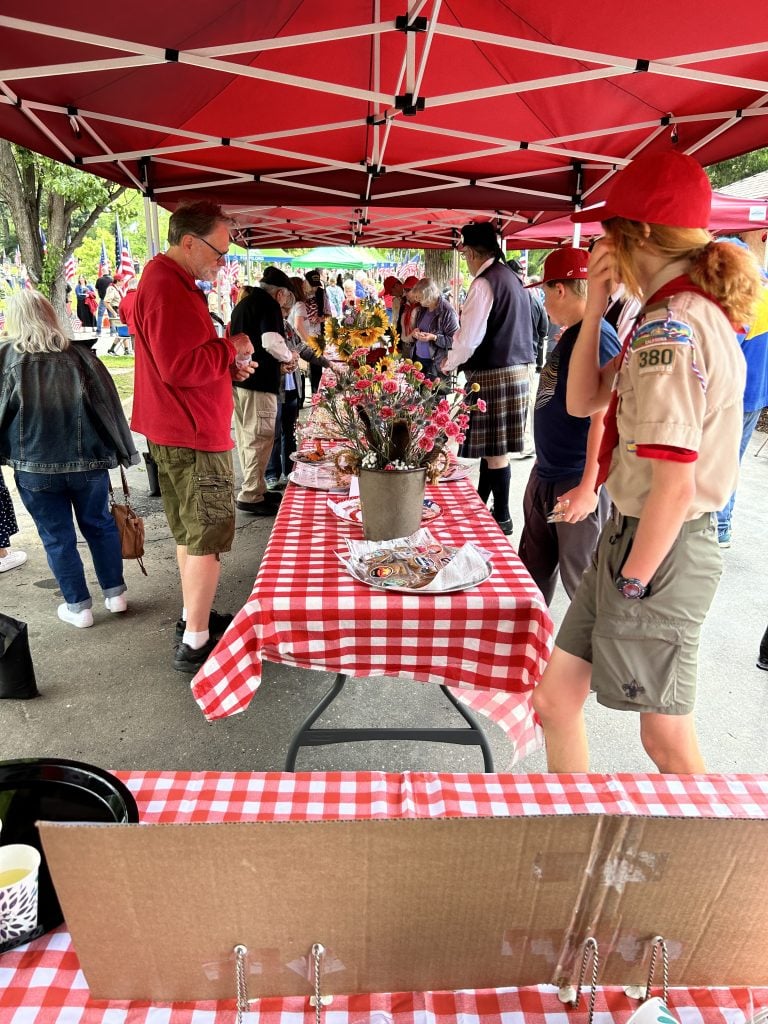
{"points": [[633, 689]]}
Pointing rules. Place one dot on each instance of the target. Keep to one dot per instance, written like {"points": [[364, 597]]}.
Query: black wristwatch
{"points": [[631, 588]]}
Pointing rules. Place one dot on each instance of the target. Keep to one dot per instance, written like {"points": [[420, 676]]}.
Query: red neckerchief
{"points": [[610, 440]]}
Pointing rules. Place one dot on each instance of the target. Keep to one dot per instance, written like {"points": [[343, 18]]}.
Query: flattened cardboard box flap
{"points": [[410, 904]]}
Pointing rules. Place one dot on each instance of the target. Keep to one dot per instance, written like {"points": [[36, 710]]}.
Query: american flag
{"points": [[125, 266], [2, 320], [412, 268], [524, 262], [119, 246], [17, 257], [103, 262], [70, 270]]}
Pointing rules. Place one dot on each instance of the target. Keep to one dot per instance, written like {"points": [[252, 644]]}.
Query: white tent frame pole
{"points": [[289, 133], [537, 147], [517, 190], [632, 155], [512, 89], [232, 175], [189, 186], [431, 26], [137, 154], [375, 132], [722, 128], [375, 28], [275, 180], [77, 68], [10, 97], [112, 156], [264, 75], [151, 247], [592, 57], [155, 225]]}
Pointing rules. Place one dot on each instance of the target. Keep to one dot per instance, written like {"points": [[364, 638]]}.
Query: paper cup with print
{"points": [[653, 1011], [19, 866]]}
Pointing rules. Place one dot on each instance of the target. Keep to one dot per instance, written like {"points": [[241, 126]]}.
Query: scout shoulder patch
{"points": [[656, 345], [663, 332]]}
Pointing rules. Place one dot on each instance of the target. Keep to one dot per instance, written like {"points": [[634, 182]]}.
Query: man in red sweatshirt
{"points": [[183, 405]]}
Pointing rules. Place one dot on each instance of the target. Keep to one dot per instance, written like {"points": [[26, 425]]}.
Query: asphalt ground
{"points": [[110, 696]]}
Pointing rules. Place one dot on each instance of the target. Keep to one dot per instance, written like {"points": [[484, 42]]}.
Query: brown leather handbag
{"points": [[129, 524]]}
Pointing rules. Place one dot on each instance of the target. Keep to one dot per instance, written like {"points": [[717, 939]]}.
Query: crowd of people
{"points": [[638, 409]]}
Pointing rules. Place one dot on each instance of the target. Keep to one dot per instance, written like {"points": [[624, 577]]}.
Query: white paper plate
{"points": [[318, 486], [351, 512]]}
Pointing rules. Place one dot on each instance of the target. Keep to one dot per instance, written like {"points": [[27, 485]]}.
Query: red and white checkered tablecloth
{"points": [[42, 983], [491, 642]]}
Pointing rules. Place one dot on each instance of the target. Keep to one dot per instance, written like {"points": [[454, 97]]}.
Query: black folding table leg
{"points": [[306, 736]]}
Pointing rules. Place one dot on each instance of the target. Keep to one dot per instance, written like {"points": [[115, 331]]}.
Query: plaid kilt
{"points": [[501, 428]]}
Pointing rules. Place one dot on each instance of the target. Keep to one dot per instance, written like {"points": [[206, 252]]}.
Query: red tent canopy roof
{"points": [[506, 105], [729, 216]]}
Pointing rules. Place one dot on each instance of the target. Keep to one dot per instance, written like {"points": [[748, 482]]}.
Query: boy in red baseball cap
{"points": [[563, 513]]}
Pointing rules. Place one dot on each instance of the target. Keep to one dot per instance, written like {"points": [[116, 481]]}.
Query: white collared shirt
{"points": [[473, 321]]}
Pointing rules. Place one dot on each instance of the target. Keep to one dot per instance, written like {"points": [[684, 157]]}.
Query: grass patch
{"points": [[118, 362], [124, 385]]}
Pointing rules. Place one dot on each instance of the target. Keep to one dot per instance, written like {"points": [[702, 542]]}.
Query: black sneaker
{"points": [[762, 662], [217, 624], [188, 660], [505, 525], [273, 497], [258, 508]]}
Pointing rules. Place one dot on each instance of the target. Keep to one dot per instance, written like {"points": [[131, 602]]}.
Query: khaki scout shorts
{"points": [[198, 490], [644, 653]]}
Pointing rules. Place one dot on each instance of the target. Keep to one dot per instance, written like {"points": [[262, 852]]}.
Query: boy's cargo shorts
{"points": [[644, 652]]}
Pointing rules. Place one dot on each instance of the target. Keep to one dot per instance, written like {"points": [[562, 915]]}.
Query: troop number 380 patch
{"points": [[656, 344], [656, 360]]}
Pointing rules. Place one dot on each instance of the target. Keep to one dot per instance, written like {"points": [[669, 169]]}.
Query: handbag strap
{"points": [[124, 482]]}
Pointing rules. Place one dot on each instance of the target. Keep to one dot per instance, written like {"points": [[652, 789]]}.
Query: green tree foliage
{"points": [[728, 171], [64, 202]]}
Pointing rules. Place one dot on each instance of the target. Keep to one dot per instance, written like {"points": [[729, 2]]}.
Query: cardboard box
{"points": [[155, 910]]}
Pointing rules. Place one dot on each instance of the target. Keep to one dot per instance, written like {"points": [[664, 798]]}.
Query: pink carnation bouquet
{"points": [[393, 417]]}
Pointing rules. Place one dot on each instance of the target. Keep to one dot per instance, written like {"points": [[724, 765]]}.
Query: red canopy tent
{"points": [[729, 216], [506, 106]]}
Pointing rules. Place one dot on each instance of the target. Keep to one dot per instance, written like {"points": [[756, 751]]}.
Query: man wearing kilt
{"points": [[493, 346]]}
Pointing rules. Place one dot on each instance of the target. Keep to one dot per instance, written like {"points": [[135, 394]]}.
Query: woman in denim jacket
{"points": [[436, 323], [62, 428]]}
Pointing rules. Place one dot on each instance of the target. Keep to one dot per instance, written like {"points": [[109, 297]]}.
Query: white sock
{"points": [[195, 640]]}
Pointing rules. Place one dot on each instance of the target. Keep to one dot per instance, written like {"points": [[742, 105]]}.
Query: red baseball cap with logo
{"points": [[565, 264], [657, 188], [409, 282], [390, 283]]}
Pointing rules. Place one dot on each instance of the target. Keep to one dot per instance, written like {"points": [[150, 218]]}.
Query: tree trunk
{"points": [[437, 263], [19, 189]]}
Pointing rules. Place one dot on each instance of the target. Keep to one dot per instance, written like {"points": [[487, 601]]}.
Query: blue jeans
{"points": [[50, 498], [285, 436], [100, 315], [724, 515]]}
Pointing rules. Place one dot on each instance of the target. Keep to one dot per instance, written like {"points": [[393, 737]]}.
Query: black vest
{"points": [[508, 339], [257, 314]]}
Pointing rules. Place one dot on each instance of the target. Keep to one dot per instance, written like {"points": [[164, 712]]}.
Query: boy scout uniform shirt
{"points": [[680, 386]]}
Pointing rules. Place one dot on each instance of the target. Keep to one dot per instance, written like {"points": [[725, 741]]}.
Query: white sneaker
{"points": [[12, 560], [116, 604], [81, 619]]}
